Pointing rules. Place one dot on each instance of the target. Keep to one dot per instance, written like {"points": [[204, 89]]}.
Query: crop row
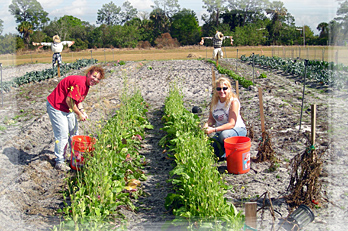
{"points": [[111, 176], [324, 73], [241, 80], [37, 76], [199, 187]]}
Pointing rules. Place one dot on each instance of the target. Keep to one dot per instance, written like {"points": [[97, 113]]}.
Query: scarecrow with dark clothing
{"points": [[217, 43], [57, 48]]}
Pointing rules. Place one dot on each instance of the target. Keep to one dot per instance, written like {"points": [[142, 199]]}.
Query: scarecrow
{"points": [[57, 48], [217, 42]]}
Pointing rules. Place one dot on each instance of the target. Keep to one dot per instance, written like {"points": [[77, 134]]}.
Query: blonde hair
{"points": [[215, 99]]}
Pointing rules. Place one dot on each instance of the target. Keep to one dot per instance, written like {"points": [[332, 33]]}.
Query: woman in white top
{"points": [[225, 115]]}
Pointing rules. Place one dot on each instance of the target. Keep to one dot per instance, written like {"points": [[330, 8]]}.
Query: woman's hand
{"points": [[209, 130]]}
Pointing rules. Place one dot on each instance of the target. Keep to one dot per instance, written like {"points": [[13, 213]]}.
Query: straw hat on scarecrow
{"points": [[56, 39], [219, 35]]}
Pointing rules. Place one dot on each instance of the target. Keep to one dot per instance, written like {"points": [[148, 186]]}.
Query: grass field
{"points": [[327, 53]]}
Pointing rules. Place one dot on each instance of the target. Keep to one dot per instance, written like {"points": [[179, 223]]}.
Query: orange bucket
{"points": [[237, 154], [80, 144]]}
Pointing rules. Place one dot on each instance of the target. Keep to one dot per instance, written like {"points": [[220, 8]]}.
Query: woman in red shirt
{"points": [[63, 103]]}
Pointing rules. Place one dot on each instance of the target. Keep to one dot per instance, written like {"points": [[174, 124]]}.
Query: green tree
{"points": [[66, 27], [109, 14], [25, 29], [160, 23], [247, 11], [323, 29], [169, 7], [8, 43], [334, 32], [185, 27], [342, 19], [250, 35], [215, 8], [38, 36], [277, 13], [1, 26], [29, 11], [128, 13]]}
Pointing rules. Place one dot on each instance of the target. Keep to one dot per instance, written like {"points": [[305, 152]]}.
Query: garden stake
{"points": [[304, 86], [91, 54], [265, 150], [313, 119], [58, 69], [250, 215]]}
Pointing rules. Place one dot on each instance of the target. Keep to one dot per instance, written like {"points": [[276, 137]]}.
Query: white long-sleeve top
{"points": [[57, 47]]}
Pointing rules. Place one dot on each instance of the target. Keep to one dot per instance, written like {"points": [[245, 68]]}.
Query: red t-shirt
{"points": [[74, 86]]}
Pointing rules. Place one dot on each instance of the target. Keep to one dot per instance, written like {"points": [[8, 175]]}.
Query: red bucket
{"points": [[80, 145], [237, 154]]}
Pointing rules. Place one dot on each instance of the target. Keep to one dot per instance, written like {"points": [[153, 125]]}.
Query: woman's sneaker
{"points": [[62, 167]]}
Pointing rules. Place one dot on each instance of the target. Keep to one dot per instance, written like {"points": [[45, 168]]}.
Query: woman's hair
{"points": [[215, 99], [99, 69]]}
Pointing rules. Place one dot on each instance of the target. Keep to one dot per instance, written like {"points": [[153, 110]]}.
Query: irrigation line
{"points": [[304, 86]]}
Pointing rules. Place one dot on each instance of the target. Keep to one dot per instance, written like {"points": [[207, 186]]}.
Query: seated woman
{"points": [[224, 113]]}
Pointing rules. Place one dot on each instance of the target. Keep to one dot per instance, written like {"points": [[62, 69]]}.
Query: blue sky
{"points": [[308, 12]]}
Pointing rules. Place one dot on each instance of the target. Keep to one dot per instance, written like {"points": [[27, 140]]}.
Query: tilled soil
{"points": [[30, 190]]}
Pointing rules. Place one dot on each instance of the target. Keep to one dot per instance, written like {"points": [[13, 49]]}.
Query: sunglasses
{"points": [[219, 88]]}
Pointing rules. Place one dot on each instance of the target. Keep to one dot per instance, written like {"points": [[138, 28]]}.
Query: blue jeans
{"points": [[64, 126], [219, 138]]}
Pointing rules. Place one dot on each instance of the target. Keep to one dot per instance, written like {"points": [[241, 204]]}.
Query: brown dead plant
{"points": [[304, 184], [165, 40], [266, 152]]}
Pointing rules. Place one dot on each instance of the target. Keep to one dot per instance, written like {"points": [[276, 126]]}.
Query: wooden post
{"points": [[261, 111], [217, 60], [237, 88], [58, 69], [250, 214], [313, 118]]}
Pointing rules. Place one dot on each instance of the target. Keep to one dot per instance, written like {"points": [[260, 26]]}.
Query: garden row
{"points": [[324, 73], [111, 176], [37, 76], [199, 187], [241, 80]]}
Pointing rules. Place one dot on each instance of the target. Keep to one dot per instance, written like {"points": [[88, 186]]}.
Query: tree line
{"points": [[251, 23]]}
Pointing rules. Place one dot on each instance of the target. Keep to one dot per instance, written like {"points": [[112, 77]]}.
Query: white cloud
{"points": [[49, 4], [77, 8], [142, 5]]}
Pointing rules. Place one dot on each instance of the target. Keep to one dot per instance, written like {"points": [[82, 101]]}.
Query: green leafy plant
{"points": [[112, 174], [242, 81], [262, 76], [38, 76], [199, 187]]}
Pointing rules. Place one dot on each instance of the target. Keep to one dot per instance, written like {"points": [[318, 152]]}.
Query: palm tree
{"points": [[323, 28], [25, 29]]}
